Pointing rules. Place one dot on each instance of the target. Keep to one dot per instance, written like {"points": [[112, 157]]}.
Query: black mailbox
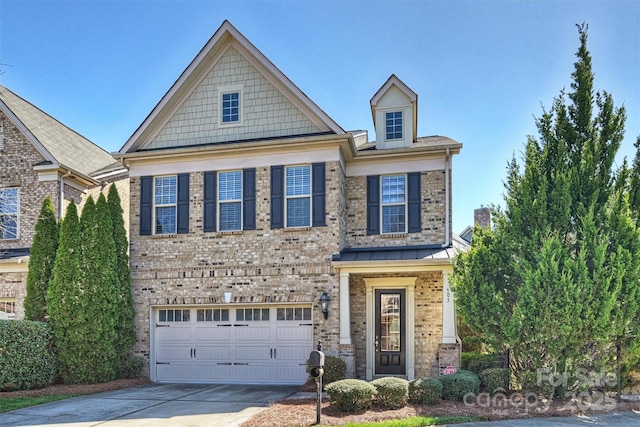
{"points": [[316, 358]]}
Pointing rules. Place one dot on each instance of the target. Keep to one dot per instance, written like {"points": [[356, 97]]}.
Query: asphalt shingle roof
{"points": [[68, 147]]}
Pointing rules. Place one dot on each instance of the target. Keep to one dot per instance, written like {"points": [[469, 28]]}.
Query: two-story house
{"points": [[260, 227], [40, 157]]}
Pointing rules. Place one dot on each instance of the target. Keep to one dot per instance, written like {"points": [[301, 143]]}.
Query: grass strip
{"points": [[418, 422], [13, 403]]}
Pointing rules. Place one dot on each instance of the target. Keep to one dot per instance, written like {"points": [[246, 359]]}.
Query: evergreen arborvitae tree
{"points": [[551, 280], [125, 331], [100, 282], [41, 260], [66, 304]]}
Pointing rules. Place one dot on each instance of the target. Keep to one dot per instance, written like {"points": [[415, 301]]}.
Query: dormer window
{"points": [[230, 105], [393, 123]]}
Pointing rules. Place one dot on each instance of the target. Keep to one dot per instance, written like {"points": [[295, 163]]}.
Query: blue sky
{"points": [[482, 69]]}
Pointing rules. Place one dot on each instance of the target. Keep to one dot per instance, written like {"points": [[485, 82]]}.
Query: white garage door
{"points": [[233, 345]]}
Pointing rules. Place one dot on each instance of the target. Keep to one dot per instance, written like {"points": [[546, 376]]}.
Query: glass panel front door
{"points": [[390, 330]]}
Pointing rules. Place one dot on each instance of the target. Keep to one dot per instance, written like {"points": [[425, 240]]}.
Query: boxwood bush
{"points": [[26, 356], [351, 395], [455, 386], [392, 392], [335, 369], [425, 391], [494, 378]]}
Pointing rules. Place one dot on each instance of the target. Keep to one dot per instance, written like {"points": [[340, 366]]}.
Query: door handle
{"points": [[377, 343], [192, 353]]}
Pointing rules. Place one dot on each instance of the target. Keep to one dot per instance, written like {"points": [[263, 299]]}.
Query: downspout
{"points": [[61, 201], [447, 200]]}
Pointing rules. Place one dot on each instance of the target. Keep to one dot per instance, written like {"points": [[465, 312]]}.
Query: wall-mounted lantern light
{"points": [[324, 304]]}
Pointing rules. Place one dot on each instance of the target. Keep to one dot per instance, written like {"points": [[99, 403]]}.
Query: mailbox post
{"points": [[316, 362]]}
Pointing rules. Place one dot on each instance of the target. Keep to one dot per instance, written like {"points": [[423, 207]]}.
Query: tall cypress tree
{"points": [[65, 299], [551, 279], [100, 282], [125, 330], [41, 261]]}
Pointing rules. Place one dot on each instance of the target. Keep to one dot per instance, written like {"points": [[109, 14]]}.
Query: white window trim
{"points": [[405, 204], [286, 198], [17, 214], [384, 115], [8, 315], [222, 90], [155, 206], [220, 202]]}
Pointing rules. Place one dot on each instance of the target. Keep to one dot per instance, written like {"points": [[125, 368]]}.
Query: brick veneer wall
{"points": [[264, 266], [13, 285], [433, 214], [427, 318]]}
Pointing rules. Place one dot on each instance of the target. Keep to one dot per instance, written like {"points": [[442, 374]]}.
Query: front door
{"points": [[390, 332]]}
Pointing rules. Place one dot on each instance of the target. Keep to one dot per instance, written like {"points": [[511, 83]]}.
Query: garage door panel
{"points": [[214, 372], [173, 371], [218, 353], [294, 333], [293, 353], [173, 333], [215, 333], [173, 352], [252, 352], [253, 333], [290, 373], [252, 373]]}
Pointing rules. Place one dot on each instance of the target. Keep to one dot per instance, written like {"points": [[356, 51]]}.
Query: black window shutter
{"points": [[249, 199], [318, 195], [183, 203], [277, 197], [373, 204], [146, 205], [414, 202], [210, 190]]}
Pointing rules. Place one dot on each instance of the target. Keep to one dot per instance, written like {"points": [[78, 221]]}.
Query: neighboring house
{"points": [[481, 217], [40, 157], [251, 208]]}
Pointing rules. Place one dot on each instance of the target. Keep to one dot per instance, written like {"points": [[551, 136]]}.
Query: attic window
{"points": [[230, 105], [393, 125]]}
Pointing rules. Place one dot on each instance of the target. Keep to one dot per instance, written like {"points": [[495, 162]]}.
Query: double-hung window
{"points": [[9, 210], [298, 195], [165, 204], [230, 200], [393, 125], [393, 203]]}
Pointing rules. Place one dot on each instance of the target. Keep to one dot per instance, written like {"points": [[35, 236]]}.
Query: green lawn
{"points": [[12, 403], [417, 422]]}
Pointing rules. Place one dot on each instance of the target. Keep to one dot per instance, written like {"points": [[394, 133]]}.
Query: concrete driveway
{"points": [[155, 405]]}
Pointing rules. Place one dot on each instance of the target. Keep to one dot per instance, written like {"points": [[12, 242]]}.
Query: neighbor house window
{"points": [[230, 200], [9, 209], [7, 308], [298, 196], [393, 192], [165, 204], [393, 125]]}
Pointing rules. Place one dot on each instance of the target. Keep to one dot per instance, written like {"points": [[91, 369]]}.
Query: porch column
{"points": [[448, 312], [345, 310]]}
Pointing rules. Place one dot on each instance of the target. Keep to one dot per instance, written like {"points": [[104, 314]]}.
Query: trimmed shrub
{"points": [[351, 395], [130, 367], [392, 392], [477, 362], [494, 378], [335, 369], [425, 391], [26, 358], [455, 386]]}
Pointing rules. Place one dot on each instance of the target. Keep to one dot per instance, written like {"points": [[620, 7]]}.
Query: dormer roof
{"points": [[396, 96]]}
